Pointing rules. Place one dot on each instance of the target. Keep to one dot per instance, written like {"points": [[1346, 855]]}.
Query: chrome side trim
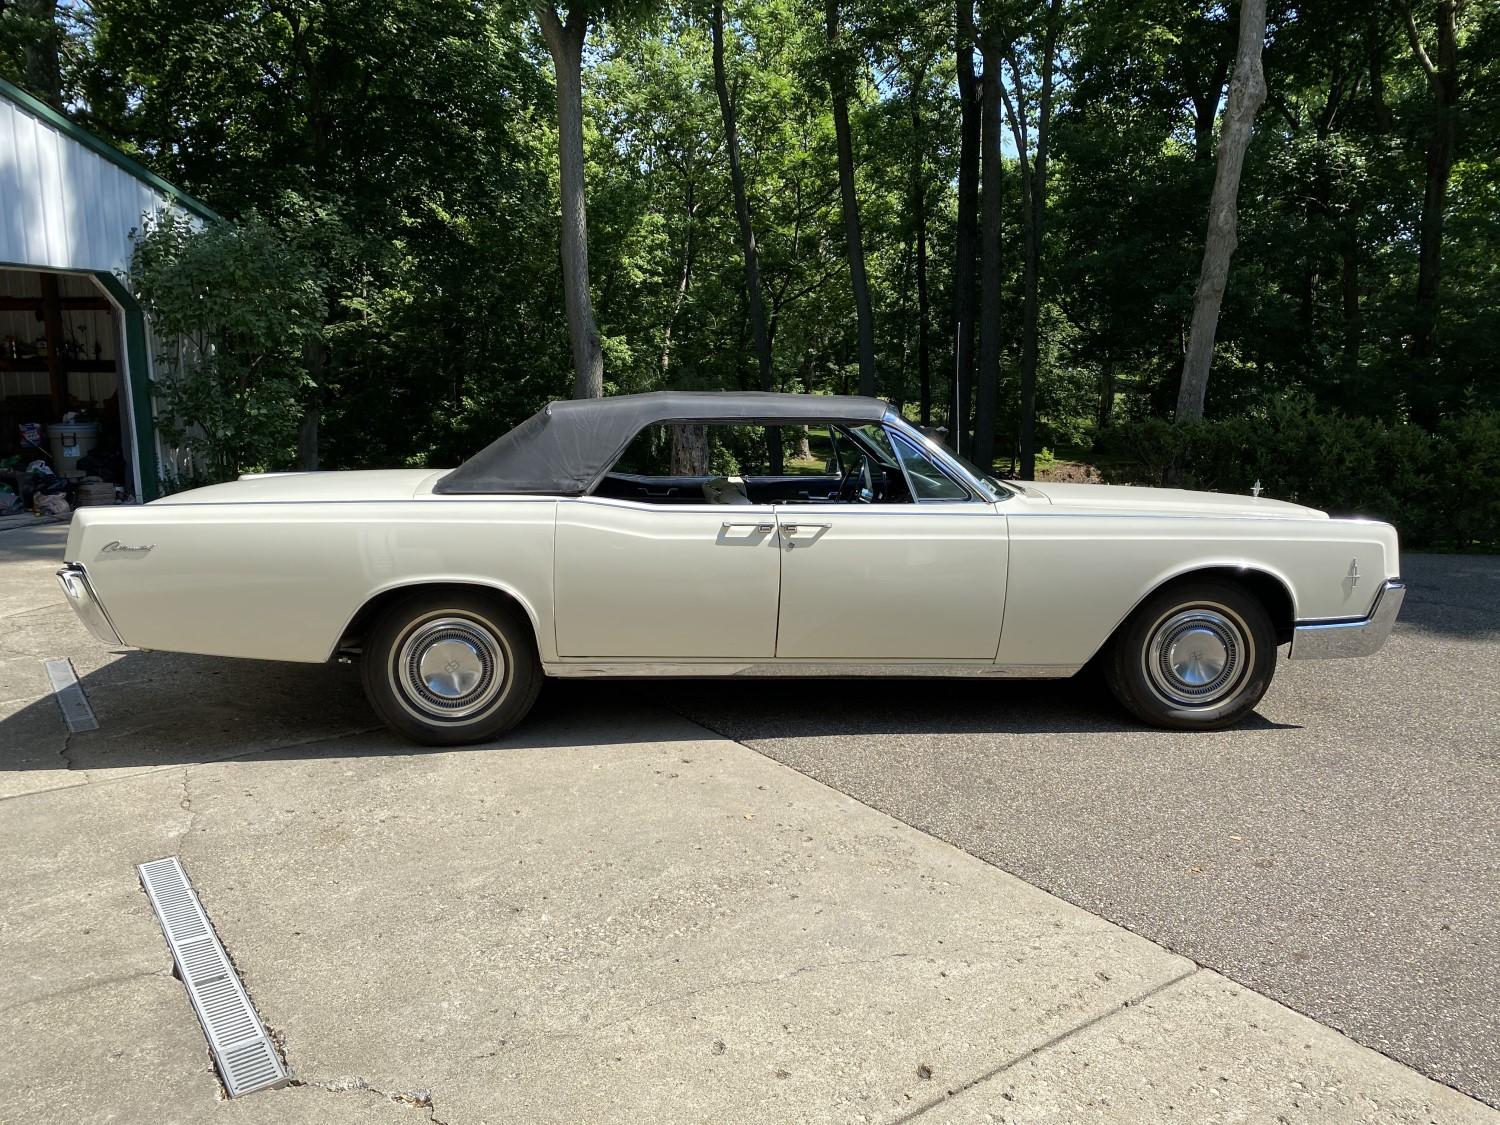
{"points": [[74, 580], [793, 669], [1327, 640]]}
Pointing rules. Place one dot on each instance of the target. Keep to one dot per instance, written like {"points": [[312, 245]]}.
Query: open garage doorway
{"points": [[65, 390]]}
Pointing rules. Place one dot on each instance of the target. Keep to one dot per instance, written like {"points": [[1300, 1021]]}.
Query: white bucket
{"points": [[71, 442]]}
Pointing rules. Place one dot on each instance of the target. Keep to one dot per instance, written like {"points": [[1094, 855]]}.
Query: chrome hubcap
{"points": [[448, 668], [451, 668], [1198, 657]]}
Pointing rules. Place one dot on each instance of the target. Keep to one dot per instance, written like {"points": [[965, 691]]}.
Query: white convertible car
{"points": [[702, 534]]}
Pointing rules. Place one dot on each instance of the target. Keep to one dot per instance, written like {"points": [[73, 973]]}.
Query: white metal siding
{"points": [[62, 206]]}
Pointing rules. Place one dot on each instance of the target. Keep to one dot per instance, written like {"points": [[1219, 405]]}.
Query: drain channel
{"points": [[246, 1058], [69, 692]]}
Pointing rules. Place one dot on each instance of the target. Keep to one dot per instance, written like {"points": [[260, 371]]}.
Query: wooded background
{"points": [[992, 214]]}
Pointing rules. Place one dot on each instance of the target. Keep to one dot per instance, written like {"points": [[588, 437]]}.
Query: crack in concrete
{"points": [[1061, 1037], [185, 803], [65, 752], [88, 986], [420, 1098], [34, 609], [207, 761]]}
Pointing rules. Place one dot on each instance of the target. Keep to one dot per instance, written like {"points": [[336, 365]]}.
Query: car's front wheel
{"points": [[446, 668], [1198, 655]]}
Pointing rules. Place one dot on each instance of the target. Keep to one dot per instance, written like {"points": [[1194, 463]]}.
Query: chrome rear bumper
{"points": [[75, 583], [1324, 640]]}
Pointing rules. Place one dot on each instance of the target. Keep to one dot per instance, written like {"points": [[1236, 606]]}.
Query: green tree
{"points": [[236, 306]]}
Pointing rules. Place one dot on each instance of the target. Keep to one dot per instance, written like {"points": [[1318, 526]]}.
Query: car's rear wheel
{"points": [[446, 668], [1198, 655]]}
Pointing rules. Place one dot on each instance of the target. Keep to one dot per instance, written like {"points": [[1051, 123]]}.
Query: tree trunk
{"points": [[919, 223], [988, 376], [41, 60], [1375, 53], [565, 42], [689, 251], [966, 234], [839, 87], [689, 450], [307, 439], [1349, 285], [729, 111], [895, 381], [1442, 82], [315, 356], [1247, 91], [1034, 215]]}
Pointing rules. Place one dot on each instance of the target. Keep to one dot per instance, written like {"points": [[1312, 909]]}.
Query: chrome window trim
{"points": [[943, 459], [899, 438]]}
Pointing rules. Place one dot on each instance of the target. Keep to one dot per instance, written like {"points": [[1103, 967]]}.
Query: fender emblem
{"points": [[115, 547], [1353, 574]]}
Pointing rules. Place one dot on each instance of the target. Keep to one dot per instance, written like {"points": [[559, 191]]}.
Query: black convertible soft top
{"points": [[565, 447]]}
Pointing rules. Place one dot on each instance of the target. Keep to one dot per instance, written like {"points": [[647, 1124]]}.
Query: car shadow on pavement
{"points": [[747, 710], [157, 709]]}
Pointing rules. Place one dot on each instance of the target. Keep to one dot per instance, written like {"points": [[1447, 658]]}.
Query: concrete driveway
{"points": [[1340, 853], [614, 914]]}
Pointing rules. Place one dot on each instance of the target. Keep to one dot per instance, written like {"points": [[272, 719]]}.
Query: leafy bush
{"points": [[1438, 488], [234, 307]]}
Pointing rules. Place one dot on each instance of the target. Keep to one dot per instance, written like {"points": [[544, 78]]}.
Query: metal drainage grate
{"points": [[75, 705], [246, 1058]]}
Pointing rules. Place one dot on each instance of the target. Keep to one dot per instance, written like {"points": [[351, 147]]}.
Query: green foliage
{"points": [[236, 308], [1438, 489], [407, 148]]}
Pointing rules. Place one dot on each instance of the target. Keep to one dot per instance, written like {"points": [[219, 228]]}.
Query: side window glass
{"points": [[682, 449], [928, 481], [813, 451]]}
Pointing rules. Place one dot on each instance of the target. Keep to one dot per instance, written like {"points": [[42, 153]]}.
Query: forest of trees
{"points": [[992, 214]]}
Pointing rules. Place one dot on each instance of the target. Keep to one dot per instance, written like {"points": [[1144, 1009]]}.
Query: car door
{"points": [[913, 581], [665, 581]]}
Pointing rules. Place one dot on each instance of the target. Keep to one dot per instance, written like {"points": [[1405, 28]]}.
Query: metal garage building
{"points": [[71, 336]]}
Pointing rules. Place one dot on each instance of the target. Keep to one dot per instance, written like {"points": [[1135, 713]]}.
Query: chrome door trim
{"points": [[793, 668]]}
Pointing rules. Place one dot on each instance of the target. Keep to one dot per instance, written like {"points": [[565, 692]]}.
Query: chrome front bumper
{"points": [[85, 603], [1324, 640]]}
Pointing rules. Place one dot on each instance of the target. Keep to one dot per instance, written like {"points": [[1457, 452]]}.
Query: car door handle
{"points": [[796, 528], [760, 528]]}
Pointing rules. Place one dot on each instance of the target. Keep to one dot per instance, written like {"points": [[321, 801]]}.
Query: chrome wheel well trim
{"points": [[1207, 572], [363, 617]]}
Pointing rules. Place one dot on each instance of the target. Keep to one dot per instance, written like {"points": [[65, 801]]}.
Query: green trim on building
{"points": [[41, 109], [138, 371]]}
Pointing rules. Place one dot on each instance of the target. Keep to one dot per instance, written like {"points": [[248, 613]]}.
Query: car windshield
{"points": [[988, 478]]}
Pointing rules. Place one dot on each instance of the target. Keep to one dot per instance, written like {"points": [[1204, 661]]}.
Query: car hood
{"points": [[273, 488], [1110, 498]]}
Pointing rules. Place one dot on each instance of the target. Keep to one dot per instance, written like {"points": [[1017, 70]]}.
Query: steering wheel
{"points": [[858, 484]]}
